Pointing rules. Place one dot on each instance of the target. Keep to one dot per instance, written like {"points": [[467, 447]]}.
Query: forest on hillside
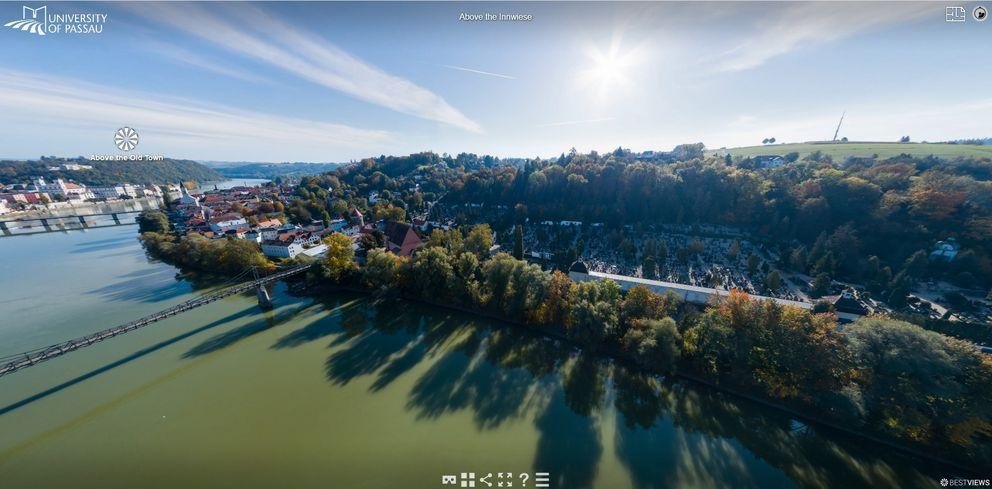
{"points": [[865, 220], [107, 172]]}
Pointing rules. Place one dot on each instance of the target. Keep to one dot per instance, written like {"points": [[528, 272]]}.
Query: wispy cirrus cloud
{"points": [[794, 26], [264, 38], [479, 72], [184, 56], [168, 123]]}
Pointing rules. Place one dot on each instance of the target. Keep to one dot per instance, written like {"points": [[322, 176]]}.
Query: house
{"points": [[223, 223], [357, 218], [373, 197], [767, 161], [281, 249], [3, 207], [293, 243], [108, 192], [337, 225], [945, 250], [847, 302], [401, 239], [69, 190]]}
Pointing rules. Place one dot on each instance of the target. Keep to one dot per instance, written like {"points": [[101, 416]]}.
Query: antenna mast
{"points": [[838, 125]]}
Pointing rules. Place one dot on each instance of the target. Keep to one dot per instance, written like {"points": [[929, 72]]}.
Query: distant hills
{"points": [[106, 172], [839, 151], [272, 170]]}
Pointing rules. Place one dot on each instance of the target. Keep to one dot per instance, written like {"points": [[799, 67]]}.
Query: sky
{"points": [[334, 82]]}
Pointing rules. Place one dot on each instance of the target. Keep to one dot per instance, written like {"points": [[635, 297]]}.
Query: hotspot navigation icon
{"points": [[126, 138], [980, 13]]}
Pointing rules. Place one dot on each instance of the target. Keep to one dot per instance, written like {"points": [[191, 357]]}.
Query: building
{"points": [[579, 272], [186, 198], [337, 225], [847, 302], [68, 190], [3, 207], [401, 239], [226, 222], [293, 243], [945, 250], [767, 161], [109, 192], [357, 217]]}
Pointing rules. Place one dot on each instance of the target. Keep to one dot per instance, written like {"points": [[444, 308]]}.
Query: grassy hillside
{"points": [[839, 151]]}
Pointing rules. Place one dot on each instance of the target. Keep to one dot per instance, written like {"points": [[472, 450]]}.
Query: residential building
{"points": [[945, 250], [401, 239]]}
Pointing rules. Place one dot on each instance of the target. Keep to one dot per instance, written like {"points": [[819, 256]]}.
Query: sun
{"points": [[608, 69]]}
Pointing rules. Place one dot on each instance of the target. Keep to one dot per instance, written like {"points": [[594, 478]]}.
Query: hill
{"points": [[839, 151], [273, 170], [107, 172]]}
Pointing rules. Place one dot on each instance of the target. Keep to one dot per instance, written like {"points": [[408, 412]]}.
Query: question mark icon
{"points": [[524, 478]]}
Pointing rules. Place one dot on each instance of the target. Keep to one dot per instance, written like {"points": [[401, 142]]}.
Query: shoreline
{"points": [[618, 355]]}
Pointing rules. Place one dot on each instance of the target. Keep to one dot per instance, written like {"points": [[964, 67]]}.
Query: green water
{"points": [[342, 392]]}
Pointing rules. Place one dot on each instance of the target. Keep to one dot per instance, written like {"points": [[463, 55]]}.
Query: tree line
{"points": [[879, 374]]}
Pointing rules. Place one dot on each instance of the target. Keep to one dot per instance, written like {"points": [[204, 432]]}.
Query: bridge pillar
{"points": [[264, 299], [117, 220], [48, 227], [82, 221], [3, 229]]}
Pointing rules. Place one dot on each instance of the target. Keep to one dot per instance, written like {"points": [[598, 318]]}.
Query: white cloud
{"points": [[262, 37], [794, 26], [180, 55], [168, 125]]}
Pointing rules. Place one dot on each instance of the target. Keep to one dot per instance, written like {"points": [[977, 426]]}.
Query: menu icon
{"points": [[542, 479]]}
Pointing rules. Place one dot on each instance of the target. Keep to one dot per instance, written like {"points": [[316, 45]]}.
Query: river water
{"points": [[345, 392]]}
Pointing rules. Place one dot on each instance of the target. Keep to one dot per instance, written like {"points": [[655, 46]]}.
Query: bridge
{"points": [[20, 361], [51, 224]]}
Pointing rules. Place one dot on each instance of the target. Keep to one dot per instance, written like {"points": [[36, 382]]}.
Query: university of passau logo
{"points": [[38, 21], [31, 24]]}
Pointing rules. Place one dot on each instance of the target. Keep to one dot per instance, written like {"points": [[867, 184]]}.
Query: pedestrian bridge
{"points": [[20, 361]]}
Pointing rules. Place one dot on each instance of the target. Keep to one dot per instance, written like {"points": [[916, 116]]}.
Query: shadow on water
{"points": [[667, 434], [123, 361], [144, 287], [104, 245], [327, 325], [267, 319]]}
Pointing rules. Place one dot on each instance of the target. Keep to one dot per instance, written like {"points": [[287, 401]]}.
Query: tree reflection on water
{"points": [[666, 434]]}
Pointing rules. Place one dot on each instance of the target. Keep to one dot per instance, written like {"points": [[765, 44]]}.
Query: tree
{"points": [[649, 269], [383, 270], [340, 259], [432, 273], [593, 316], [752, 263], [734, 249], [921, 384], [450, 240], [654, 343], [904, 139], [773, 280], [916, 264], [518, 242], [821, 285], [479, 240], [153, 222]]}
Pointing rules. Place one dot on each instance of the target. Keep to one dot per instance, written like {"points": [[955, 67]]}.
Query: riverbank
{"points": [[612, 353], [68, 209]]}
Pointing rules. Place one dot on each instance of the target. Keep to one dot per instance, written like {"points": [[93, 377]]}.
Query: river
{"points": [[345, 392]]}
